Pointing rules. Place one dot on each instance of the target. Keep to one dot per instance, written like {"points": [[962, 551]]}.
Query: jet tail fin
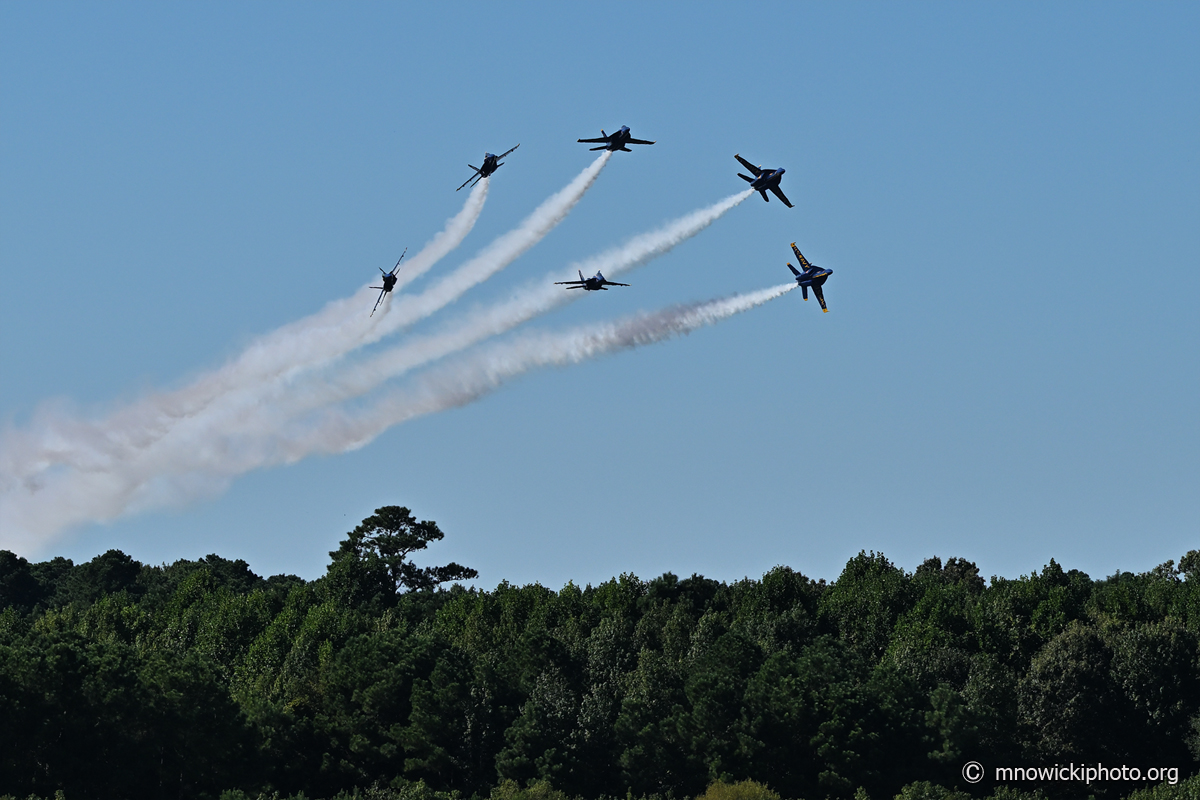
{"points": [[804, 291]]}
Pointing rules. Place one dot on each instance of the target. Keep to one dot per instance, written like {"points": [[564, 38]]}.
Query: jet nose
{"points": [[782, 170]]}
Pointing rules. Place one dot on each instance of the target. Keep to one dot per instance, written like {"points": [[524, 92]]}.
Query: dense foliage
{"points": [[123, 680]]}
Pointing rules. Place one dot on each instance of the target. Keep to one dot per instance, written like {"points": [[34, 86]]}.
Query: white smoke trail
{"points": [[535, 299], [409, 308], [29, 518], [58, 439], [470, 377], [63, 471], [261, 417]]}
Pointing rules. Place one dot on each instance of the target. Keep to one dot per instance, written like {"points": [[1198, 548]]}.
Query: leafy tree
{"points": [[1069, 700], [743, 790], [371, 565], [867, 599], [19, 588]]}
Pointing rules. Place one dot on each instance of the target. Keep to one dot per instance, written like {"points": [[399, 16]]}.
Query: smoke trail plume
{"points": [[267, 415], [476, 374], [535, 299], [105, 489], [76, 471], [409, 308], [292, 348]]}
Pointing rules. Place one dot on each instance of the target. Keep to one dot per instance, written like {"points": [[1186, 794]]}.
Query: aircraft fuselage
{"points": [[767, 180], [490, 165], [814, 277], [620, 139]]}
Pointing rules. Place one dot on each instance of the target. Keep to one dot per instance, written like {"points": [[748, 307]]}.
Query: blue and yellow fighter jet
{"points": [[812, 275], [491, 163], [615, 141], [596, 283], [763, 180]]}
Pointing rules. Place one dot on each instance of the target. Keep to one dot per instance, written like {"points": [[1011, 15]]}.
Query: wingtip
{"points": [[824, 310]]}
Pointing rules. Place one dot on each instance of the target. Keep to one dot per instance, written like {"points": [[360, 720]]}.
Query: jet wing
{"points": [[800, 256], [820, 298], [604, 139], [755, 171], [638, 141], [474, 177], [779, 193], [569, 283], [502, 155], [614, 283]]}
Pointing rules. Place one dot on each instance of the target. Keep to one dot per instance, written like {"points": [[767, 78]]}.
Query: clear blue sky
{"points": [[1009, 196]]}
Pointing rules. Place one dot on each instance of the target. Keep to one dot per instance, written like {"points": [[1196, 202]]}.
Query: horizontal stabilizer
{"points": [[746, 178], [795, 271], [602, 147]]}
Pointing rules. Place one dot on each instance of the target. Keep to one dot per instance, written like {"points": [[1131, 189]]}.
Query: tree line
{"points": [[201, 679]]}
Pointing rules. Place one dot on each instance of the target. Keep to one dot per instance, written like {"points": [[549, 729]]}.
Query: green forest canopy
{"points": [[124, 680]]}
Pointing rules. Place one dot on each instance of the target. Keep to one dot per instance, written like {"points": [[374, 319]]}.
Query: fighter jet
{"points": [[596, 283], [615, 141], [491, 163], [389, 281], [812, 275], [763, 180]]}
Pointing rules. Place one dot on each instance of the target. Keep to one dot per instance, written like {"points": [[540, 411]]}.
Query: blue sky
{"points": [[1008, 194]]}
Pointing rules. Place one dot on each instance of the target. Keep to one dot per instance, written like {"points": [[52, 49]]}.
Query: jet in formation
{"points": [[389, 282], [596, 283], [763, 180], [810, 275], [615, 141], [491, 163]]}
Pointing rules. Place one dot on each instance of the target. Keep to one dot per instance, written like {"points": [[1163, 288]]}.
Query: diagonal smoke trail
{"points": [[64, 471], [535, 299], [319, 338], [476, 374], [409, 308], [156, 479], [263, 416], [258, 412]]}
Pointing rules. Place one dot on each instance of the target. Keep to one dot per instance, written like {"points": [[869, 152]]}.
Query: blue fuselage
{"points": [[767, 180], [813, 277], [620, 138]]}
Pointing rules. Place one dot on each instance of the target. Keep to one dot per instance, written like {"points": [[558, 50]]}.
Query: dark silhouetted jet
{"points": [[491, 163], [812, 275], [389, 281], [615, 141], [763, 180], [595, 283]]}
